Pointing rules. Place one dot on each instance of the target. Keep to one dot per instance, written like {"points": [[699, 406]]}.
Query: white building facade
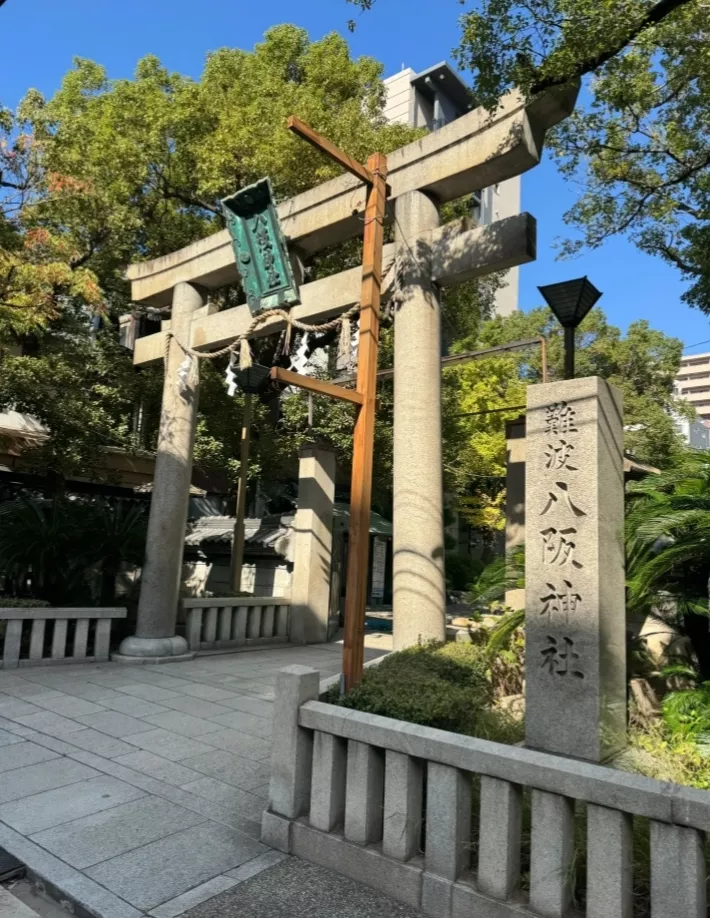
{"points": [[432, 99], [693, 383]]}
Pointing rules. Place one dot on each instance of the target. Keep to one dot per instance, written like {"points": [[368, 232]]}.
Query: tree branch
{"points": [[655, 15], [673, 256]]}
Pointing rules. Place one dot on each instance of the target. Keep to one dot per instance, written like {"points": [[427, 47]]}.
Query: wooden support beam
{"points": [[237, 559], [321, 143], [364, 434], [317, 386]]}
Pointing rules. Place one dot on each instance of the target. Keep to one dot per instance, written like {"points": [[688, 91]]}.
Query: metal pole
{"points": [[238, 541], [569, 353]]}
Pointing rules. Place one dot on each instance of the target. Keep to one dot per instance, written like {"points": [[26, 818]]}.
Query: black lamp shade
{"points": [[570, 300], [252, 379]]}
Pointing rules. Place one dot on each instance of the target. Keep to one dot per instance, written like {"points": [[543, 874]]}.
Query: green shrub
{"points": [[443, 686], [461, 571], [14, 602]]}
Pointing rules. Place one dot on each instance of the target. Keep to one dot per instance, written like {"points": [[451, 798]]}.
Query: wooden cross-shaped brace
{"points": [[364, 396]]}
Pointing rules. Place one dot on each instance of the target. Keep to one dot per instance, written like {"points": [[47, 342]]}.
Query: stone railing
{"points": [[223, 623], [55, 635], [348, 789]]}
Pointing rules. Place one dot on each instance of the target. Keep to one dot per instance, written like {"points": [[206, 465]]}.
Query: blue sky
{"points": [[414, 33]]}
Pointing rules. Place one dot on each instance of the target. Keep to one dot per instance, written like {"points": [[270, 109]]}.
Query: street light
{"points": [[570, 301]]}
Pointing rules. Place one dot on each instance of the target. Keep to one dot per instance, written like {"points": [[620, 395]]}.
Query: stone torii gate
{"points": [[476, 151]]}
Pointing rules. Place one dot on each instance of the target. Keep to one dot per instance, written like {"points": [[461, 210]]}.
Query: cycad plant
{"points": [[668, 549], [61, 541]]}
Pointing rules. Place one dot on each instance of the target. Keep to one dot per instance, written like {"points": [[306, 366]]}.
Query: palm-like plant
{"points": [[61, 541], [668, 549]]}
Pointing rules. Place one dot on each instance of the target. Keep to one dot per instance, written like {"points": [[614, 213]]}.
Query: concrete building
{"points": [[695, 433], [693, 383], [431, 99]]}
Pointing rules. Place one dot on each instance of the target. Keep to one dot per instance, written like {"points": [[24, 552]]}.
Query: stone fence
{"points": [[56, 635], [228, 623], [434, 819]]}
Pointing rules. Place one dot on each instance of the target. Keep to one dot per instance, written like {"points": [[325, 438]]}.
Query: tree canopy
{"points": [[642, 363], [639, 142], [107, 172]]}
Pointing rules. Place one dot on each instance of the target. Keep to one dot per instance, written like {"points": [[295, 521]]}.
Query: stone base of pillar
{"points": [[153, 650]]}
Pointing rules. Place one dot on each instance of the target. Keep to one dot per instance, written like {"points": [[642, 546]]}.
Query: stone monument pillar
{"points": [[419, 594], [313, 543], [155, 636], [575, 622]]}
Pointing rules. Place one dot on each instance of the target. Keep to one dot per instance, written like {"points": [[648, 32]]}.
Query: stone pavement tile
{"points": [[168, 745], [251, 705], [67, 705], [297, 888], [90, 692], [194, 706], [56, 744], [63, 804], [136, 707], [206, 692], [216, 812], [51, 723], [92, 898], [162, 769], [262, 690], [113, 680], [19, 730], [183, 724], [241, 801], [113, 723], [21, 755], [43, 776], [147, 692], [228, 767], [162, 680], [258, 784], [247, 723], [104, 835], [8, 739], [101, 743], [244, 744], [12, 708], [9, 724], [25, 690], [180, 904], [160, 871], [256, 865]]}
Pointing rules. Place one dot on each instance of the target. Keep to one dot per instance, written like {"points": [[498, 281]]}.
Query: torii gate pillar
{"points": [[155, 637], [419, 594]]}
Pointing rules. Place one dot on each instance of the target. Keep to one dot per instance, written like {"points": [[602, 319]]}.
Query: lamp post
{"points": [[570, 301]]}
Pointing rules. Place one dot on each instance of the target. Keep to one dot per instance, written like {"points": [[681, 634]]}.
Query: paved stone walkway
{"points": [[138, 790]]}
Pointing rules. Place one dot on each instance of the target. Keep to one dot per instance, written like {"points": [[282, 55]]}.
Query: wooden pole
{"points": [[364, 434], [238, 541]]}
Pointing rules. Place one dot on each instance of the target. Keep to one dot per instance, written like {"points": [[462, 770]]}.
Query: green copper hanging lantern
{"points": [[260, 248]]}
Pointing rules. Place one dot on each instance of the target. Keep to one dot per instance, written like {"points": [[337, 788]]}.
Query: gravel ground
{"points": [[297, 888]]}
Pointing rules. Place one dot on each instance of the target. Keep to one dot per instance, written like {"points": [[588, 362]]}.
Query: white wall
{"points": [[398, 107], [266, 578], [405, 106]]}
